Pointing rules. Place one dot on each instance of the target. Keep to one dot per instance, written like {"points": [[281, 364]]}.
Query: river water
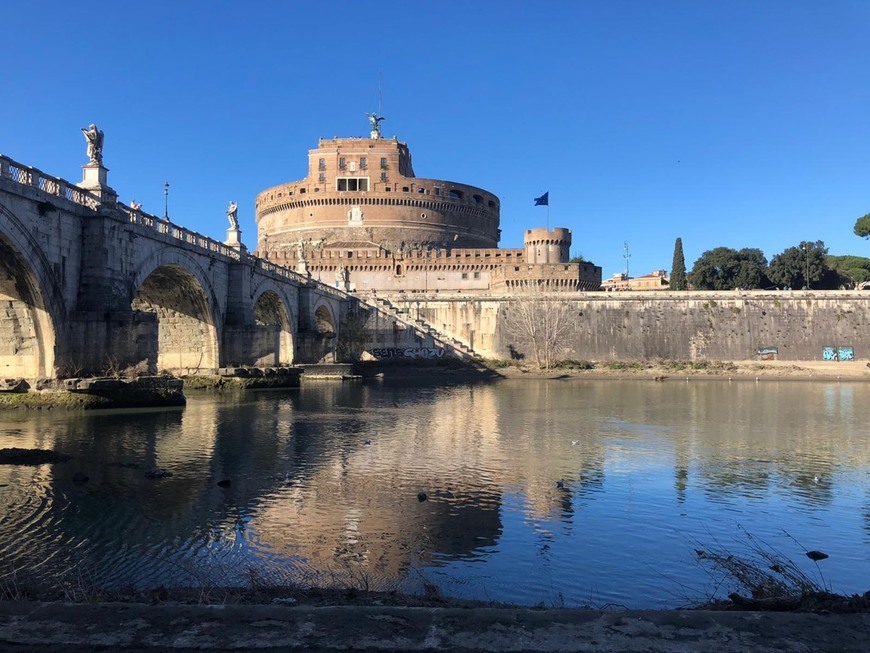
{"points": [[325, 482]]}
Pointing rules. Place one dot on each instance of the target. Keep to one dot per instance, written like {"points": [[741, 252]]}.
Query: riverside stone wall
{"points": [[669, 325]]}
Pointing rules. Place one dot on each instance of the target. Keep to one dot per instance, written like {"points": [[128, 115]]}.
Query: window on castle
{"points": [[383, 163], [384, 177], [322, 176], [478, 199], [465, 275], [321, 165], [352, 183], [363, 164], [342, 163], [477, 275], [455, 194]]}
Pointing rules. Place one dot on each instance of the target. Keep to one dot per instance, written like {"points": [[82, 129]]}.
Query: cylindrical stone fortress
{"points": [[363, 190]]}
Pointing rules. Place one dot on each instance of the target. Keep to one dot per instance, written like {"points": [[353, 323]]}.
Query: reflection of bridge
{"points": [[87, 284]]}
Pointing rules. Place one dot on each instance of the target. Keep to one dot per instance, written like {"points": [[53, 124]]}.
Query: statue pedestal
{"points": [[302, 267], [234, 238], [95, 179]]}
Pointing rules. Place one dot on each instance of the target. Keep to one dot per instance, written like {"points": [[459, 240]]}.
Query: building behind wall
{"points": [[655, 280], [363, 221]]}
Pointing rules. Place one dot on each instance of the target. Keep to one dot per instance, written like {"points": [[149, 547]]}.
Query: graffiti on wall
{"points": [[408, 352], [838, 353]]}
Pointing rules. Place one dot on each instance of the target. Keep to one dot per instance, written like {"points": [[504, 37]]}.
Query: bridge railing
{"points": [[35, 178], [138, 217], [160, 226]]}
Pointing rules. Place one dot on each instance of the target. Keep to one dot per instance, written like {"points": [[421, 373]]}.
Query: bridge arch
{"points": [[275, 329], [183, 337], [31, 306], [324, 320], [325, 326]]}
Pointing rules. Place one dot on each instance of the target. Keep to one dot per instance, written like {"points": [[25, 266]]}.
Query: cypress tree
{"points": [[678, 267]]}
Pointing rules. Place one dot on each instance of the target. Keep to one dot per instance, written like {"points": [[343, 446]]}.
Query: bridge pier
{"points": [[108, 342]]}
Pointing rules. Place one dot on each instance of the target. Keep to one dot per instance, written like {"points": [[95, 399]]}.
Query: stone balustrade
{"points": [[55, 186], [160, 226], [29, 176]]}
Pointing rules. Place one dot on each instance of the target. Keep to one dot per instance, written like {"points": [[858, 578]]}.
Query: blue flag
{"points": [[543, 200]]}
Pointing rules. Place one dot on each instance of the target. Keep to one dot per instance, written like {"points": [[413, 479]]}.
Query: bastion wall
{"points": [[670, 325]]}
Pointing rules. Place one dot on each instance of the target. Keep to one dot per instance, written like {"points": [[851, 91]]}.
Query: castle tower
{"points": [[363, 190], [544, 246]]}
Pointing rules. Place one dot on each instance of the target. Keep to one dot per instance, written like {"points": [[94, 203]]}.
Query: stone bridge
{"points": [[90, 286]]}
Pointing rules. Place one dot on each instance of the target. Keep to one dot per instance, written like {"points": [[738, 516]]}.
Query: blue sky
{"points": [[739, 124]]}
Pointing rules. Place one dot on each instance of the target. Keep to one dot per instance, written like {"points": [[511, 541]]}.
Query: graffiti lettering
{"points": [[838, 353], [410, 352]]}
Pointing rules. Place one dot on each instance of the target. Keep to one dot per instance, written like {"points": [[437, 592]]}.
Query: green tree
{"points": [[862, 226], [802, 266], [852, 270], [577, 258], [678, 267], [724, 268]]}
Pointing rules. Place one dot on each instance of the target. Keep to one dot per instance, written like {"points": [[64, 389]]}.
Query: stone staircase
{"points": [[452, 345]]}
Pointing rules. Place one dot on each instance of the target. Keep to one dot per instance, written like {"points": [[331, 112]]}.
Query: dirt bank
{"points": [[74, 628], [680, 370]]}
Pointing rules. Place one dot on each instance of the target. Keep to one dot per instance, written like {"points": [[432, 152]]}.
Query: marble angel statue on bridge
{"points": [[94, 137], [233, 215]]}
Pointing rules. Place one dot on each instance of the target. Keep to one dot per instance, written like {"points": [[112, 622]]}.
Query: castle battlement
{"points": [[362, 217]]}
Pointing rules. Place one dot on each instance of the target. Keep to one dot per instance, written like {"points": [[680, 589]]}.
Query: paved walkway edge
{"points": [[28, 626]]}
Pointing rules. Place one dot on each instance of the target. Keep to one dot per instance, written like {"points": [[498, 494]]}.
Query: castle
{"points": [[363, 221]]}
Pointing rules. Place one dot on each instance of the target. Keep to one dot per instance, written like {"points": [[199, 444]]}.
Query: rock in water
{"points": [[815, 556], [16, 456], [421, 497], [225, 483]]}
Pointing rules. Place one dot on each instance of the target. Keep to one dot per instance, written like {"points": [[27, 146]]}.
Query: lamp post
{"points": [[806, 248], [166, 201]]}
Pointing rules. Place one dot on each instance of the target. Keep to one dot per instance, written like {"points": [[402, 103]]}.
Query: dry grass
{"points": [[766, 579]]}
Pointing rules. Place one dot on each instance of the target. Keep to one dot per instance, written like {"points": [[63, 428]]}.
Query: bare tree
{"points": [[538, 322], [353, 335]]}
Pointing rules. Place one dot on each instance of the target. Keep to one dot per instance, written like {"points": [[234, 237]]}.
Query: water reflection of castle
{"points": [[363, 219], [470, 448]]}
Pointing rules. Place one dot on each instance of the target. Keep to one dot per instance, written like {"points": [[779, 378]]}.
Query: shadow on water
{"points": [[443, 371]]}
